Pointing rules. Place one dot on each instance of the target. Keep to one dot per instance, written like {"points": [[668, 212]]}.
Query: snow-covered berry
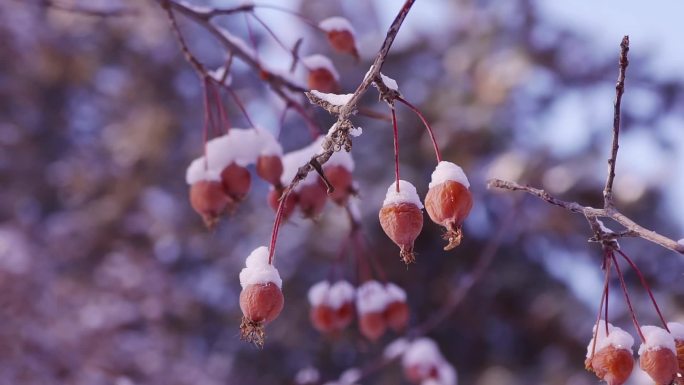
{"points": [[340, 34], [448, 201], [401, 217], [209, 200], [270, 168], [658, 355], [610, 356], [261, 299], [397, 311], [322, 75]]}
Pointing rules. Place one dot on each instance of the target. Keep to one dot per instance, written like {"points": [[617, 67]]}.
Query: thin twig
{"points": [[619, 90]]}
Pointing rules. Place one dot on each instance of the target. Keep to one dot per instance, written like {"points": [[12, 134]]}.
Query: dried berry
{"points": [[270, 168], [401, 217], [236, 181], [448, 201], [657, 355], [612, 365], [260, 304], [208, 199]]}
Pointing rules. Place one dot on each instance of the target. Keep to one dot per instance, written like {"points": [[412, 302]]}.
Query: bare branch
{"points": [[619, 90]]}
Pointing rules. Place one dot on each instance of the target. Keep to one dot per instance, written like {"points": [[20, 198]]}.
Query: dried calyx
{"points": [[261, 299], [448, 201], [401, 217]]}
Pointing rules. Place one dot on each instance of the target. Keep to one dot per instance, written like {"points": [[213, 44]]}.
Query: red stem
{"points": [[395, 132], [205, 129], [629, 303], [426, 124], [240, 106], [276, 225], [252, 38], [604, 297], [645, 285], [222, 112]]}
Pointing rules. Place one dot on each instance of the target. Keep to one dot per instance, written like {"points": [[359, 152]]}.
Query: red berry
{"points": [[448, 204], [321, 79], [402, 222], [323, 318], [372, 325], [209, 200], [236, 181], [417, 373], [344, 316], [260, 304], [341, 179], [270, 168], [343, 41], [397, 315], [661, 365], [612, 365], [290, 202], [312, 198]]}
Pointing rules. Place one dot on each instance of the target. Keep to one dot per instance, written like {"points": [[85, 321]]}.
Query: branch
{"points": [[632, 228], [619, 90], [88, 11]]}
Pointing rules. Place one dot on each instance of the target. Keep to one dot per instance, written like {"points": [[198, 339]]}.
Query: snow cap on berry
{"points": [[371, 297], [341, 292], [318, 293], [616, 337], [407, 194], [656, 339], [395, 293], [422, 351], [317, 61], [446, 171], [258, 270]]}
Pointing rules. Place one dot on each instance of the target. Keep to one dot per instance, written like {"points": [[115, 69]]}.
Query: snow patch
{"points": [[395, 348], [334, 99], [371, 297], [423, 351], [407, 194], [395, 293], [616, 337], [336, 23], [656, 339], [446, 171], [198, 171], [258, 271], [317, 61]]}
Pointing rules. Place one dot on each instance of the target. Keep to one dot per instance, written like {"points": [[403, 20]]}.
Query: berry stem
{"points": [[395, 132], [276, 225], [629, 303], [241, 106], [604, 300], [205, 128], [645, 285], [252, 38], [426, 124], [225, 122]]}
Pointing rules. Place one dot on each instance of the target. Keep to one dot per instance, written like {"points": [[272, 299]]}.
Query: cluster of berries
{"points": [[422, 361], [661, 354], [378, 306], [220, 179], [448, 203], [311, 195]]}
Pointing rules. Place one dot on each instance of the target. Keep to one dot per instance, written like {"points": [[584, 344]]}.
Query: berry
{"points": [[661, 365], [260, 304], [236, 181], [273, 199], [372, 325], [402, 222], [397, 315], [343, 41], [208, 199], [341, 179], [611, 364], [270, 168], [448, 201], [312, 198], [321, 79]]}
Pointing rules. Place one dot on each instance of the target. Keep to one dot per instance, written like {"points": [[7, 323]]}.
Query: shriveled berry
{"points": [[448, 204], [209, 200], [661, 365], [402, 222], [236, 181], [260, 304], [270, 168], [611, 364]]}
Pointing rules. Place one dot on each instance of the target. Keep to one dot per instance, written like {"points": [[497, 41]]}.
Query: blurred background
{"points": [[107, 276]]}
